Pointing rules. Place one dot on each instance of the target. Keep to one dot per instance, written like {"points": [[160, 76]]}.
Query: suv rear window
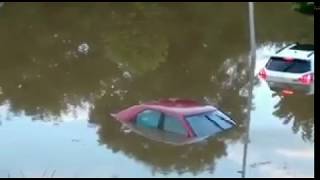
{"points": [[209, 123], [291, 66]]}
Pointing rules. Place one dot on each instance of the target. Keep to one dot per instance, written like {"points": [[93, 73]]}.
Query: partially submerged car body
{"points": [[288, 89], [175, 121], [292, 64]]}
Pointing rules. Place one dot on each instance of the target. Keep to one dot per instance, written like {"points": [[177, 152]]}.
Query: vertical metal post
{"points": [[252, 61]]}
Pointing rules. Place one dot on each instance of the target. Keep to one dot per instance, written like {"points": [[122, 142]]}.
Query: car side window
{"points": [[173, 125], [148, 118]]}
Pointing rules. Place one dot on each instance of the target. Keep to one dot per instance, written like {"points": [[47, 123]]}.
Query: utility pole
{"points": [[252, 62]]}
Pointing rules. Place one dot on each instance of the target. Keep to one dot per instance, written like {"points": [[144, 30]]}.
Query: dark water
{"points": [[55, 98]]}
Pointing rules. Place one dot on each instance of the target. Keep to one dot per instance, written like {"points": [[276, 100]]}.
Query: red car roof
{"points": [[181, 111], [175, 107], [178, 108]]}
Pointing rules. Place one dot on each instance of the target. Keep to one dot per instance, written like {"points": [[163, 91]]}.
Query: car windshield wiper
{"points": [[224, 119], [215, 123]]}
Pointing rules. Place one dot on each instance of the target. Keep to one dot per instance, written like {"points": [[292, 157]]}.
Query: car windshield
{"points": [[291, 66], [210, 123]]}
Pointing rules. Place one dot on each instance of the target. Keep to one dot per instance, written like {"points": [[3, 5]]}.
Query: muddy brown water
{"points": [[64, 67]]}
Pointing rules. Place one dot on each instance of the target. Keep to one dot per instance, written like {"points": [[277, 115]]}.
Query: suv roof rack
{"points": [[285, 47], [303, 47]]}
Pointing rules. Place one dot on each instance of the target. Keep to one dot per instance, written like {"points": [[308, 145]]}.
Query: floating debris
{"points": [[55, 35], [83, 48], [254, 165], [102, 93], [120, 92], [1, 92], [231, 70], [127, 75], [244, 92], [127, 131], [212, 78], [20, 86]]}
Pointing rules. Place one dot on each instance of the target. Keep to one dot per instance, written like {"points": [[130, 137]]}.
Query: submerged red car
{"points": [[175, 121]]}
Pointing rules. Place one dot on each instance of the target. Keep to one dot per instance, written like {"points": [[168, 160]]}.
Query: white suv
{"points": [[291, 67]]}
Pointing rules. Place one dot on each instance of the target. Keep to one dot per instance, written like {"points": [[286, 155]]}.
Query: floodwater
{"points": [[65, 67]]}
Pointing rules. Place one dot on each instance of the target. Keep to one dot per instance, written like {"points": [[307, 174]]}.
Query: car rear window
{"points": [[202, 126], [221, 119], [291, 66], [209, 123]]}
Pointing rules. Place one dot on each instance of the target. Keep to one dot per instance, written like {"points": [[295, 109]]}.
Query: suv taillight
{"points": [[306, 79], [263, 74]]}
